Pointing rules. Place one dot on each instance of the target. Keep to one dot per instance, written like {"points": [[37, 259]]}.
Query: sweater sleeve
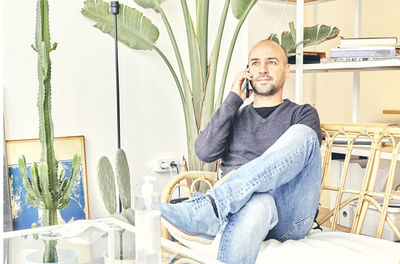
{"points": [[211, 141], [308, 116]]}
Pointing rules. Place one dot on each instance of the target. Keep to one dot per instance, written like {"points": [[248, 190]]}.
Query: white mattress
{"points": [[319, 248]]}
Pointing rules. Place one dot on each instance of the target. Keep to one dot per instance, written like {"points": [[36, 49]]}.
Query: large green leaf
{"points": [[153, 4], [312, 36], [310, 32], [287, 40], [134, 30], [324, 33], [239, 7], [274, 37]]}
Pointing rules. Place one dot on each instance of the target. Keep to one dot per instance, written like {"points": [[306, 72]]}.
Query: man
{"points": [[273, 146]]}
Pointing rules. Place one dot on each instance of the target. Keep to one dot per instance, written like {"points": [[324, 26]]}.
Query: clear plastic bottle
{"points": [[148, 224]]}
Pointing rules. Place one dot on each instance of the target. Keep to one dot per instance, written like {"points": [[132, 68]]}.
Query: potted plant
{"points": [[107, 187], [199, 96], [47, 189], [312, 36]]}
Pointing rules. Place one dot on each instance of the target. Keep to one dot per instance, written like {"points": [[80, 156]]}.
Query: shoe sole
{"points": [[198, 237]]}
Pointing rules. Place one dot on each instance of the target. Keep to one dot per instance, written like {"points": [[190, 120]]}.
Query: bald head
{"points": [[268, 65], [270, 44]]}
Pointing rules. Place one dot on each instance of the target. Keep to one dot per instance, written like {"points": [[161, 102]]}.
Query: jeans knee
{"points": [[262, 209], [304, 130]]}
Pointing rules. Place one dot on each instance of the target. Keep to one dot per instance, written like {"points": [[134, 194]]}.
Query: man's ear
{"points": [[287, 70]]}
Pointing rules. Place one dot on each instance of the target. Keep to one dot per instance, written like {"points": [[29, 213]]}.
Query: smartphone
{"points": [[245, 87], [247, 83]]}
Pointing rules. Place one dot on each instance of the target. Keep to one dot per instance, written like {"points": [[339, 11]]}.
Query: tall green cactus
{"points": [[46, 189]]}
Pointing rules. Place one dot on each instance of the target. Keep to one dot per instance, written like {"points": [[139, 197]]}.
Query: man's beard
{"points": [[271, 91]]}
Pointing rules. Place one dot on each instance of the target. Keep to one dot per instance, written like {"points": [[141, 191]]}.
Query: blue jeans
{"points": [[273, 196]]}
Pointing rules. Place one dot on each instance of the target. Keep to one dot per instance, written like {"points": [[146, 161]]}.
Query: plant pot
{"points": [[118, 261], [65, 256]]}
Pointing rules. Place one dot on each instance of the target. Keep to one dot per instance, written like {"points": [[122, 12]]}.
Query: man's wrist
{"points": [[234, 100]]}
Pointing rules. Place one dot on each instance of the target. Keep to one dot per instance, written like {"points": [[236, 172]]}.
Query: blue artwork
{"points": [[24, 214]]}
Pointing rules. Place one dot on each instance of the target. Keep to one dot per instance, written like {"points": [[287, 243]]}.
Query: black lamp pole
{"points": [[115, 11]]}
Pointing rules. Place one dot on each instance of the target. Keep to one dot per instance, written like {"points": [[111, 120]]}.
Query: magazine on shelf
{"points": [[367, 41], [357, 59], [397, 46], [382, 52], [370, 47]]}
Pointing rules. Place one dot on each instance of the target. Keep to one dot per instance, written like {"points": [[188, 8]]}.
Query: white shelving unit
{"points": [[356, 67]]}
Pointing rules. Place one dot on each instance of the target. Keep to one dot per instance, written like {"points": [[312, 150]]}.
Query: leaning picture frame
{"points": [[22, 213]]}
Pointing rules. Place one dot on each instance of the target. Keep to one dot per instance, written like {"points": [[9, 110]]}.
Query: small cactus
{"points": [[107, 186], [47, 189]]}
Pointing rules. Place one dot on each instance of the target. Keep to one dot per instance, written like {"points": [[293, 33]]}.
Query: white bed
{"points": [[319, 247]]}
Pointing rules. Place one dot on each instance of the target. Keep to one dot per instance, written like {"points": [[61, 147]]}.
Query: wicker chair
{"points": [[365, 195]]}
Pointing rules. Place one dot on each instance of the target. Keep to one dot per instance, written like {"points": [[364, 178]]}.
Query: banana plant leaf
{"points": [[153, 4], [239, 7], [135, 30], [312, 36]]}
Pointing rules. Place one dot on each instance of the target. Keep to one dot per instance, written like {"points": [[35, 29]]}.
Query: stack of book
{"points": [[365, 49]]}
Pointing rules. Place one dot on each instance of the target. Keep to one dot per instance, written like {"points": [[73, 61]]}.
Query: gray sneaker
{"points": [[193, 219]]}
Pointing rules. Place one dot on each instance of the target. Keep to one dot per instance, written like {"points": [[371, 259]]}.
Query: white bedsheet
{"points": [[331, 247], [319, 248]]}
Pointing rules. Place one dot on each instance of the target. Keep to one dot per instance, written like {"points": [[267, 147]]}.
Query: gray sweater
{"points": [[238, 135]]}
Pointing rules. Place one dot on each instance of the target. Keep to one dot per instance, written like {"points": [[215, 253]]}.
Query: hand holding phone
{"points": [[241, 84]]}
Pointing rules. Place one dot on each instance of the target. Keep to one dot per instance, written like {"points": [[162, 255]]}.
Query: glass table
{"points": [[90, 241]]}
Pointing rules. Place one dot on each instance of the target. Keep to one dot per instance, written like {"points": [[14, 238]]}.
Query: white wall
{"points": [[83, 86]]}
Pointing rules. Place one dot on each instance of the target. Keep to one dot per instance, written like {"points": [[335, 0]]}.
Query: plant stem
{"points": [[208, 103], [50, 249], [229, 56], [171, 69], [190, 118], [202, 34], [195, 63], [185, 83]]}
